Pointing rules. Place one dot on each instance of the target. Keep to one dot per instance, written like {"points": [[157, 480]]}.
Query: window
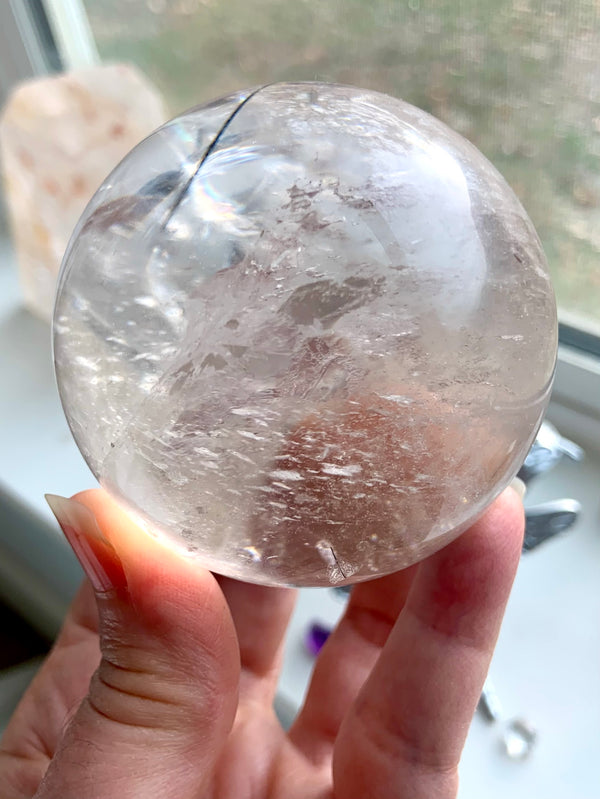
{"points": [[520, 78]]}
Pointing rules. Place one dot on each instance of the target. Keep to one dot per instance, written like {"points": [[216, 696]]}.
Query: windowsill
{"points": [[545, 666]]}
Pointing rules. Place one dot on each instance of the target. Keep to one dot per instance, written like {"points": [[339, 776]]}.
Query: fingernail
{"points": [[519, 486], [81, 530]]}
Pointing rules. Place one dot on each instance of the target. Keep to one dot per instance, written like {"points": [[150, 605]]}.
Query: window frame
{"points": [[73, 33]]}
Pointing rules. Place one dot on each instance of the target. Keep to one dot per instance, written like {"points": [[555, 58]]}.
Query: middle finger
{"points": [[261, 615], [347, 659]]}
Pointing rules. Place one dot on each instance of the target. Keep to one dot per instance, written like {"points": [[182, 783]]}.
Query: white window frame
{"points": [[577, 385], [72, 32]]}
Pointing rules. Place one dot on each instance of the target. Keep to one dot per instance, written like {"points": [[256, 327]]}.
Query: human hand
{"points": [[162, 680]]}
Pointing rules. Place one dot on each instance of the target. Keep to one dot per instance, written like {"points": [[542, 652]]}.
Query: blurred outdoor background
{"points": [[519, 78]]}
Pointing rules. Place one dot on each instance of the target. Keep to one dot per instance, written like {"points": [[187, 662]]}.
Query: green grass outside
{"points": [[519, 78]]}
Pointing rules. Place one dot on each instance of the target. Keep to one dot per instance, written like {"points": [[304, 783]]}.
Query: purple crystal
{"points": [[315, 637]]}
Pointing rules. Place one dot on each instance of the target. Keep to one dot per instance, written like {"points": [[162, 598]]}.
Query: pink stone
{"points": [[59, 138]]}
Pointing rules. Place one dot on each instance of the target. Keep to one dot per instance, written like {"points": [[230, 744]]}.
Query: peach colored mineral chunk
{"points": [[59, 138]]}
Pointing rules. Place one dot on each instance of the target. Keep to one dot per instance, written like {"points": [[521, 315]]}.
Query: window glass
{"points": [[520, 78]]}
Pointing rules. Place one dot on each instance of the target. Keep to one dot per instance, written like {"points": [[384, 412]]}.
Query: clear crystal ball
{"points": [[306, 332]]}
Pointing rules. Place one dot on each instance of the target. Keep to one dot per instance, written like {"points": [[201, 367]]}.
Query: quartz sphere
{"points": [[305, 332]]}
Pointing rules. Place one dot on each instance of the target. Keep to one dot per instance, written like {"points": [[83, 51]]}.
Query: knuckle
{"points": [[141, 695]]}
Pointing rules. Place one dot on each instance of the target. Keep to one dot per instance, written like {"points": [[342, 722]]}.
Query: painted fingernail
{"points": [[519, 486], [93, 550]]}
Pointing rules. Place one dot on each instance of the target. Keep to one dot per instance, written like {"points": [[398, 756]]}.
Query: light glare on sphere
{"points": [[305, 331]]}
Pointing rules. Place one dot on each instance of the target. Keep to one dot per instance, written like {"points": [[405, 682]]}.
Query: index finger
{"points": [[405, 732]]}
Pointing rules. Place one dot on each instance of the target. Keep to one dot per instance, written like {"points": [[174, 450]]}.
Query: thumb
{"points": [[164, 697]]}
